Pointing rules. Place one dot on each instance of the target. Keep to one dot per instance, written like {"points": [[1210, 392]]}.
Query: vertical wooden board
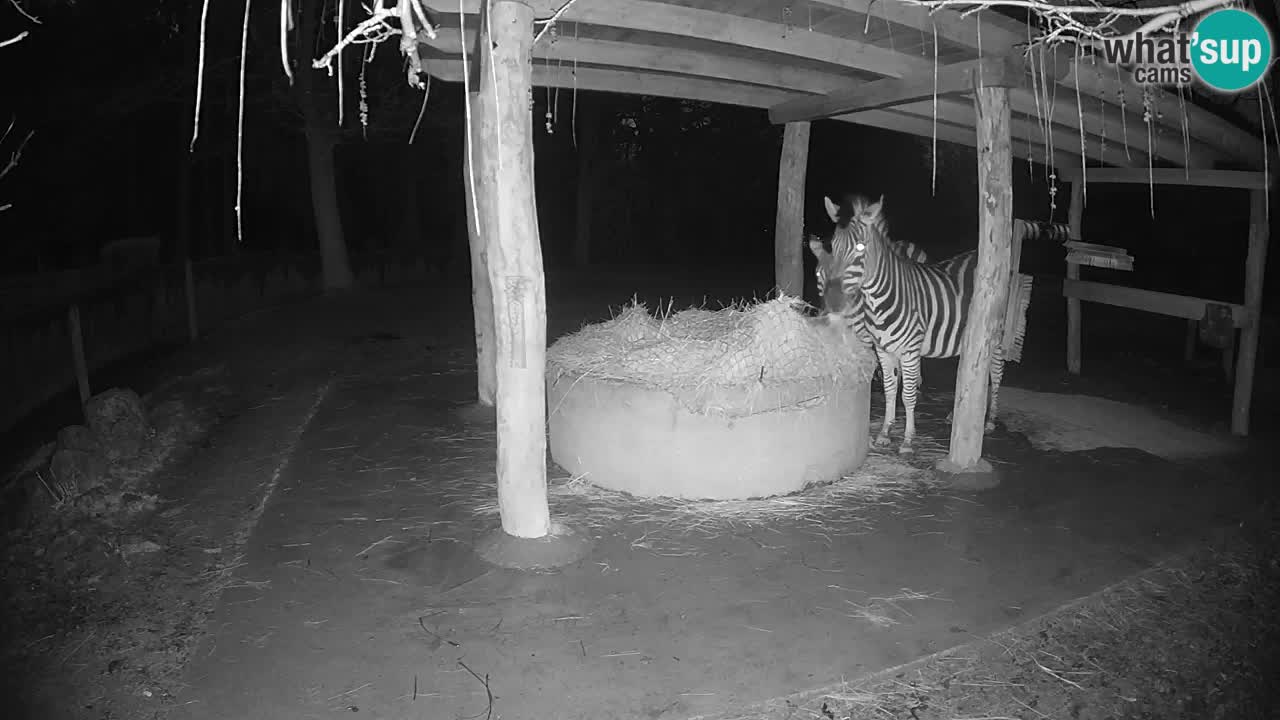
{"points": [[1254, 274], [1075, 218], [514, 257], [991, 277], [478, 193], [793, 165]]}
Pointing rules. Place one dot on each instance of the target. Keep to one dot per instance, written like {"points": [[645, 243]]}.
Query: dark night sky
{"points": [[110, 96]]}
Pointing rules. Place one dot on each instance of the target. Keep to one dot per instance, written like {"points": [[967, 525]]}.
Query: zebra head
{"points": [[856, 237]]}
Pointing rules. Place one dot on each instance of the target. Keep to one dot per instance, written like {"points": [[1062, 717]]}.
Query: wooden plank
{"points": [[1243, 179], [1075, 217], [924, 127], [986, 309], [947, 80], [1152, 301], [1024, 128], [707, 65], [479, 187], [981, 29], [77, 353], [1107, 126], [680, 61], [1107, 82], [789, 226], [638, 83], [1254, 275], [516, 276], [759, 35]]}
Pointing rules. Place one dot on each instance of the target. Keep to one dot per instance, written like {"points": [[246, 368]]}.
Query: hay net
{"points": [[740, 360]]}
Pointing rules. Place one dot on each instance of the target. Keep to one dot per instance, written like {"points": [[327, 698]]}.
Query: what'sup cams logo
{"points": [[1229, 50]]}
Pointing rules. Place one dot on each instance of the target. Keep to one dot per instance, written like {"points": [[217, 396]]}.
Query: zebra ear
{"points": [[833, 210], [815, 247]]}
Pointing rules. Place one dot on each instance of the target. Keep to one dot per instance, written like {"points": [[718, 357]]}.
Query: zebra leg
{"points": [[910, 364], [993, 392], [889, 380]]}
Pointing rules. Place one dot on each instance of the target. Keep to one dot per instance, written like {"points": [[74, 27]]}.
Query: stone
{"points": [[75, 471], [79, 437], [119, 420]]}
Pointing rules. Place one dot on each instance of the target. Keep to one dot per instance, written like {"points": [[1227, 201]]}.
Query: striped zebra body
{"points": [[910, 310]]}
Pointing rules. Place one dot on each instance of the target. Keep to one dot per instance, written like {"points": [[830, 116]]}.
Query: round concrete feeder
{"points": [[747, 402], [644, 441]]}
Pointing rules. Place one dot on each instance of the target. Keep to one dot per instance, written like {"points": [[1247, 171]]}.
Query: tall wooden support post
{"points": [[1255, 270], [514, 257], [789, 228], [1075, 215], [479, 193], [991, 281]]}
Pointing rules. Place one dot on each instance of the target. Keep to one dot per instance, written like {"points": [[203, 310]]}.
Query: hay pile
{"points": [[737, 361]]}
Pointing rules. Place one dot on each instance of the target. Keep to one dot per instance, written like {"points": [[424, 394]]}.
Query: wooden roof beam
{"points": [[1099, 121], [636, 83], [1027, 129], [973, 31], [947, 80], [760, 35]]}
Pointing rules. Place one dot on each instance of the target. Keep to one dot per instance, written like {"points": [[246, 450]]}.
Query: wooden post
{"points": [[1254, 273], [189, 284], [77, 352], [1075, 215], [991, 279], [514, 257], [478, 178], [789, 229]]}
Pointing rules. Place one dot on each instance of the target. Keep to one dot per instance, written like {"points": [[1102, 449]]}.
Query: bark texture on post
{"points": [[478, 168], [1075, 214], [789, 228], [1254, 274], [991, 281], [514, 257]]}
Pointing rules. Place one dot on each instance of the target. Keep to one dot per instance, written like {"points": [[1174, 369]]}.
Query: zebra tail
{"points": [[1039, 230]]}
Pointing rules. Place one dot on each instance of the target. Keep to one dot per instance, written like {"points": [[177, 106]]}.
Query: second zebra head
{"points": [[855, 243]]}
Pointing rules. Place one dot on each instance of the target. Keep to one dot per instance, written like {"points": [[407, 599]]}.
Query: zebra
{"points": [[860, 206], [911, 310]]}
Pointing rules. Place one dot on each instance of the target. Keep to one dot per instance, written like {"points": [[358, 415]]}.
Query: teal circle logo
{"points": [[1231, 49]]}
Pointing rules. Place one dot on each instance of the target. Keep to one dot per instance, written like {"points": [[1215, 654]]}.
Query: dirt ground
{"points": [[304, 549]]}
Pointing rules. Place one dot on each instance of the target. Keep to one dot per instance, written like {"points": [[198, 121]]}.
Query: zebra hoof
{"points": [[881, 441]]}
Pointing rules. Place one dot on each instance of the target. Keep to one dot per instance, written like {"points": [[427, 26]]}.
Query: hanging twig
{"points": [[286, 24], [204, 27], [551, 21], [244, 55]]}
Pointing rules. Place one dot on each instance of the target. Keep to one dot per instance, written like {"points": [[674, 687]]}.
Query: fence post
{"points": [[77, 353]]}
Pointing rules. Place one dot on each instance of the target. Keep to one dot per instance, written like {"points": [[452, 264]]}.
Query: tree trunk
{"points": [[479, 197], [991, 279], [320, 131], [516, 276], [788, 262]]}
